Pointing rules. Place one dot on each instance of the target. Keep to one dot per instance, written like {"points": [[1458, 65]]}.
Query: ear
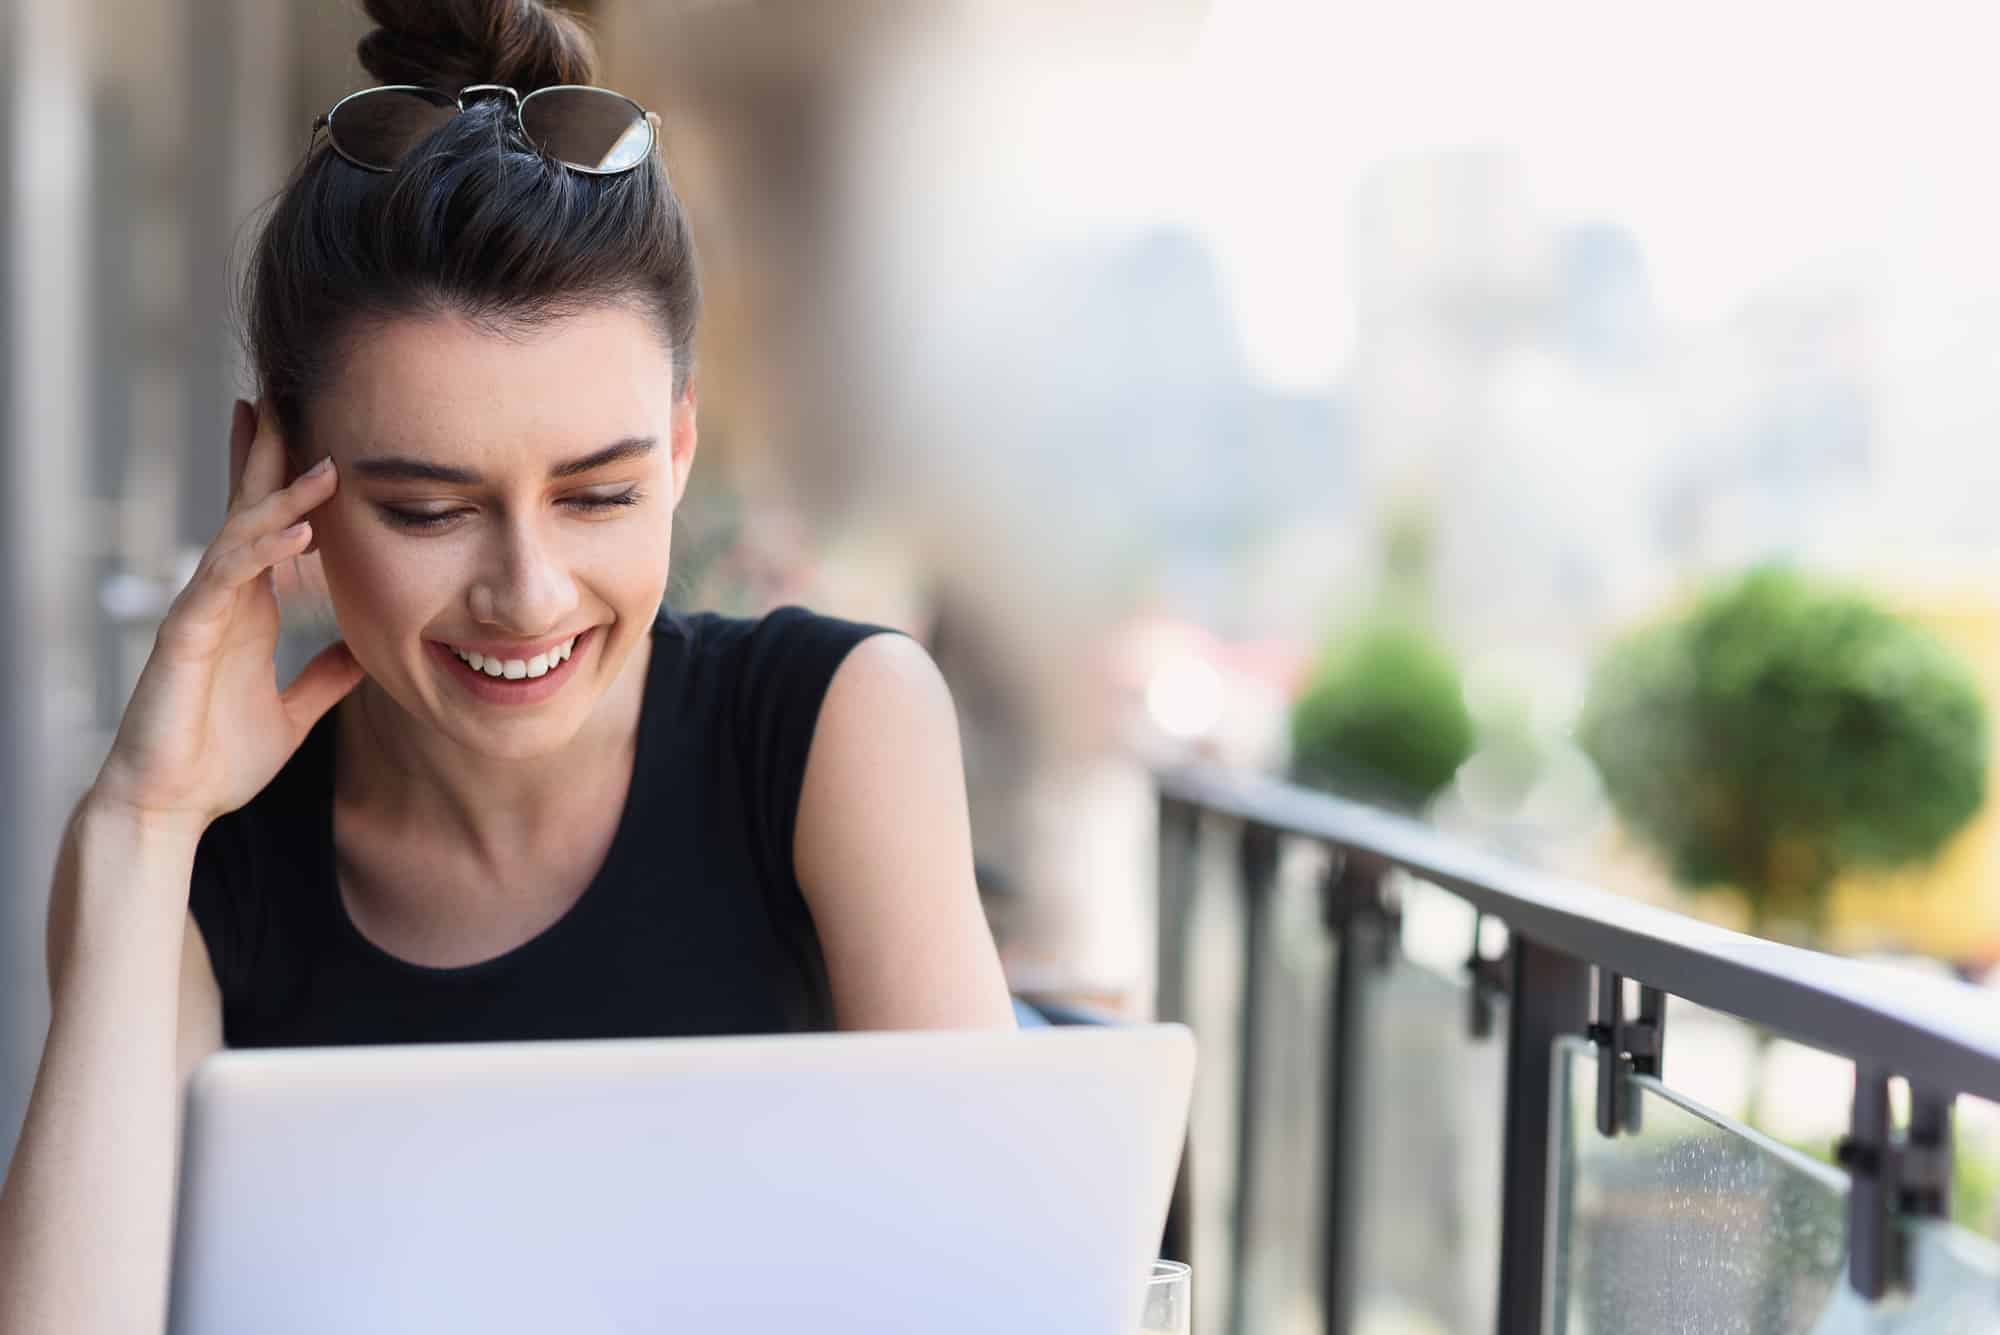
{"points": [[242, 429], [684, 439]]}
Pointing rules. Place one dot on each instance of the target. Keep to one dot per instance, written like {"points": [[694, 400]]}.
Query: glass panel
{"points": [[1282, 1270], [1428, 1252], [1213, 1001], [1696, 1224], [1958, 1290]]}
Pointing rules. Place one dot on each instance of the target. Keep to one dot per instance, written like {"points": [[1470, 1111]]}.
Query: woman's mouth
{"points": [[512, 681]]}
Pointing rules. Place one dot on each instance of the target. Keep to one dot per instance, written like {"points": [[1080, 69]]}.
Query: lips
{"points": [[514, 666], [505, 690]]}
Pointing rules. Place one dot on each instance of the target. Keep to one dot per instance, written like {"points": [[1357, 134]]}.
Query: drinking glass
{"points": [[1168, 1294]]}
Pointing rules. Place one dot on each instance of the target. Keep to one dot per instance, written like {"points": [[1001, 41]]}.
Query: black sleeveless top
{"points": [[694, 924]]}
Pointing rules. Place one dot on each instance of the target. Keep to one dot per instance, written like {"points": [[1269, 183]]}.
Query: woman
{"points": [[521, 798]]}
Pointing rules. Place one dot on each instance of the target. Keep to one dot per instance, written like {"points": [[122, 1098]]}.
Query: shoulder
{"points": [[864, 687], [789, 632], [884, 849], [768, 683], [885, 681], [783, 661], [886, 747]]}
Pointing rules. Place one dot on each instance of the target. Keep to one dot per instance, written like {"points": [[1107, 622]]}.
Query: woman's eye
{"points": [[424, 519], [417, 518], [629, 496]]}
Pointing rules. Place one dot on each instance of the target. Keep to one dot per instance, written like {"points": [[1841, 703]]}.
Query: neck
{"points": [[414, 777]]}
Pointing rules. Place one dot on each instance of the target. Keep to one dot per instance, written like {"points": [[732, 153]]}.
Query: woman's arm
{"points": [[883, 850], [86, 1212]]}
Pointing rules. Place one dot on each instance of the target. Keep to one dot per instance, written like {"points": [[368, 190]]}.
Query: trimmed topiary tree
{"points": [[1785, 732], [1383, 717]]}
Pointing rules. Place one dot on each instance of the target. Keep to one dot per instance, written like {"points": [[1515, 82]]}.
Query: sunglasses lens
{"points": [[376, 128], [590, 128]]}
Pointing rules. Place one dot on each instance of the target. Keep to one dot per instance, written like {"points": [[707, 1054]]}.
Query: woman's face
{"points": [[501, 494]]}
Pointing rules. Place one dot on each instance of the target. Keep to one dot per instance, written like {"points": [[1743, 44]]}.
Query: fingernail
{"points": [[321, 466]]}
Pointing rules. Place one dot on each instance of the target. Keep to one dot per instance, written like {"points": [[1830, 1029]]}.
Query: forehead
{"points": [[442, 385]]}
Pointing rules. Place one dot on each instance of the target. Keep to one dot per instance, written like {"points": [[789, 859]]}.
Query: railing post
{"points": [[1355, 913], [1550, 998], [1891, 1178], [1258, 860], [1866, 1155], [1179, 846], [1925, 1180]]}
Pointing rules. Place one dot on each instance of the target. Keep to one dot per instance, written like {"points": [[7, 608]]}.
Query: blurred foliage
{"points": [[1382, 717], [1784, 732], [1975, 1188]]}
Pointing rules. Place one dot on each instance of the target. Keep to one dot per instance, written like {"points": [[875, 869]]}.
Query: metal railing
{"points": [[1562, 981]]}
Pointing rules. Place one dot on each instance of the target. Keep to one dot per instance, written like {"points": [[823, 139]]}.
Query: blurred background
{"points": [[1433, 402]]}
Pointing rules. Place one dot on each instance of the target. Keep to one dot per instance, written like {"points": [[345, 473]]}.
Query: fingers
{"points": [[321, 683], [211, 592], [282, 507], [266, 524]]}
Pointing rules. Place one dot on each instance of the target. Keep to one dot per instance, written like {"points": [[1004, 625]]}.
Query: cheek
{"points": [[377, 583], [630, 576]]}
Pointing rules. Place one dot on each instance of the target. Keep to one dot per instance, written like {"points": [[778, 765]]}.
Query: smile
{"points": [[516, 668], [506, 680]]}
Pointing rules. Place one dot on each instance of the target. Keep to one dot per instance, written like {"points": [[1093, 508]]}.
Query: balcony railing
{"points": [[1383, 1144]]}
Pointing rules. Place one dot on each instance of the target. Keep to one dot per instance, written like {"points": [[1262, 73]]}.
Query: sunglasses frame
{"points": [[325, 120]]}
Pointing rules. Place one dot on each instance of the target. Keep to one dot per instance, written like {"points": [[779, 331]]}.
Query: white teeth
{"points": [[514, 669]]}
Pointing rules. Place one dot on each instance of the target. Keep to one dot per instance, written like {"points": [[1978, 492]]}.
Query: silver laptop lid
{"points": [[952, 1183]]}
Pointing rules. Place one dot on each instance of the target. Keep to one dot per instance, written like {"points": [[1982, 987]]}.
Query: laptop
{"points": [[968, 1182]]}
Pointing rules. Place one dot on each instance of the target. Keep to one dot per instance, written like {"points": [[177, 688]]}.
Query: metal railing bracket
{"points": [[1625, 1048]]}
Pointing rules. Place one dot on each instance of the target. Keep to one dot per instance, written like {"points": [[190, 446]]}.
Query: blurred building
{"points": [[1504, 376]]}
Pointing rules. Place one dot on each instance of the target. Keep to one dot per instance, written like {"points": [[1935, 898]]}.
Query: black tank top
{"points": [[694, 924]]}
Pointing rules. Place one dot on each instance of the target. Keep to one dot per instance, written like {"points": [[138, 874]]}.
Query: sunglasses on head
{"points": [[585, 129]]}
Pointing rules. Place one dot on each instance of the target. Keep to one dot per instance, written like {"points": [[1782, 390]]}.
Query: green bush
{"points": [[1382, 717], [1783, 733]]}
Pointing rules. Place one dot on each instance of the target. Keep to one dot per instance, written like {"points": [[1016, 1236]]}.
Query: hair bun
{"points": [[447, 44]]}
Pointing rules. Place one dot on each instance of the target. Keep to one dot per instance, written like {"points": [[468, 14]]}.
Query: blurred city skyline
{"points": [[1740, 147], [1777, 211]]}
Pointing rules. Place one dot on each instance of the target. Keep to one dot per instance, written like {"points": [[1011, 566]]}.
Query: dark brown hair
{"points": [[473, 222]]}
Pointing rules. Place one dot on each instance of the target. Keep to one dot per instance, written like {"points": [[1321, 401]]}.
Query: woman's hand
{"points": [[207, 727]]}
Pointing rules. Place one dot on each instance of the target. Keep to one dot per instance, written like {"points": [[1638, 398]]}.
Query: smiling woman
{"points": [[521, 797]]}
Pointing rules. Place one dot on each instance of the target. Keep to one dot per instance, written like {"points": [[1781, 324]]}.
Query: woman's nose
{"points": [[529, 591]]}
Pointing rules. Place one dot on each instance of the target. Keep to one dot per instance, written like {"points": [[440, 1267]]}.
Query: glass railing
{"points": [[1427, 1258], [1438, 1094], [1689, 1222]]}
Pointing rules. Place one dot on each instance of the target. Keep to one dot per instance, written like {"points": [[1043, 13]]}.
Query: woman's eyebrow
{"points": [[400, 468]]}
